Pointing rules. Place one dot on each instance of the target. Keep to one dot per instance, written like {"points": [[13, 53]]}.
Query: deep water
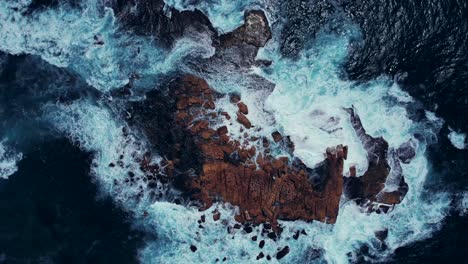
{"points": [[402, 64], [52, 212]]}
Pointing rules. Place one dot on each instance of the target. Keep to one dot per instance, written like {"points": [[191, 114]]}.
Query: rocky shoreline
{"points": [[205, 164]]}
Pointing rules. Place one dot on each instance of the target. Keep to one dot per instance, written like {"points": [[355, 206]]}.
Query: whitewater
{"points": [[306, 104]]}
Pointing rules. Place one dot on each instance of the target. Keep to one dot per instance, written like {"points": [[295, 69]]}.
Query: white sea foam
{"points": [[307, 104], [94, 128], [458, 140], [66, 37], [312, 85], [225, 15], [462, 205], [8, 160]]}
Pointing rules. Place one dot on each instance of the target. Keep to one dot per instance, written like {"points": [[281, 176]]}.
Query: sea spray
{"points": [[90, 41], [116, 152], [225, 15], [307, 104], [458, 140], [8, 160]]}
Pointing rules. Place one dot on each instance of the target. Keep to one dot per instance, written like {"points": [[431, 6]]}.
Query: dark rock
{"points": [[283, 252], [277, 137], [370, 186], [296, 235], [260, 256], [272, 235], [193, 248], [406, 152], [381, 234], [148, 17]]}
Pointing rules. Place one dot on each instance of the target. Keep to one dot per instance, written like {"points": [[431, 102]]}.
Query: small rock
{"points": [[283, 252], [243, 108], [272, 235], [225, 114], [241, 118], [260, 256], [234, 98], [277, 137], [381, 234], [261, 244], [222, 130], [216, 216], [296, 235], [406, 152], [193, 248]]}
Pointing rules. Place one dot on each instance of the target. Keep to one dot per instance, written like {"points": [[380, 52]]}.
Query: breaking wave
{"points": [[307, 104], [458, 140], [89, 41], [225, 15], [8, 160]]}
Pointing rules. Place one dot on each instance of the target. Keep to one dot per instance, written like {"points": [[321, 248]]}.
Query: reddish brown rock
{"points": [[241, 118], [225, 114], [277, 137], [243, 108], [216, 215], [265, 189]]}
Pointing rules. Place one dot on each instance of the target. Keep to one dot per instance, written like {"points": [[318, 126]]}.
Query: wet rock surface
{"points": [[371, 187], [264, 187], [165, 24], [206, 165], [181, 121]]}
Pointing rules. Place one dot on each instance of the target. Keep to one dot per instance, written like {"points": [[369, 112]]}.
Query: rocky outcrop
{"points": [[205, 164], [165, 24], [265, 188], [255, 31], [208, 166], [239, 47], [371, 188]]}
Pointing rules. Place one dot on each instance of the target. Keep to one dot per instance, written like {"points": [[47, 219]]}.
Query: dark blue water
{"points": [[52, 212]]}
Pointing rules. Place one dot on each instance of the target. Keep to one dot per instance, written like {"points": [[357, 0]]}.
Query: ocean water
{"points": [[307, 103]]}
